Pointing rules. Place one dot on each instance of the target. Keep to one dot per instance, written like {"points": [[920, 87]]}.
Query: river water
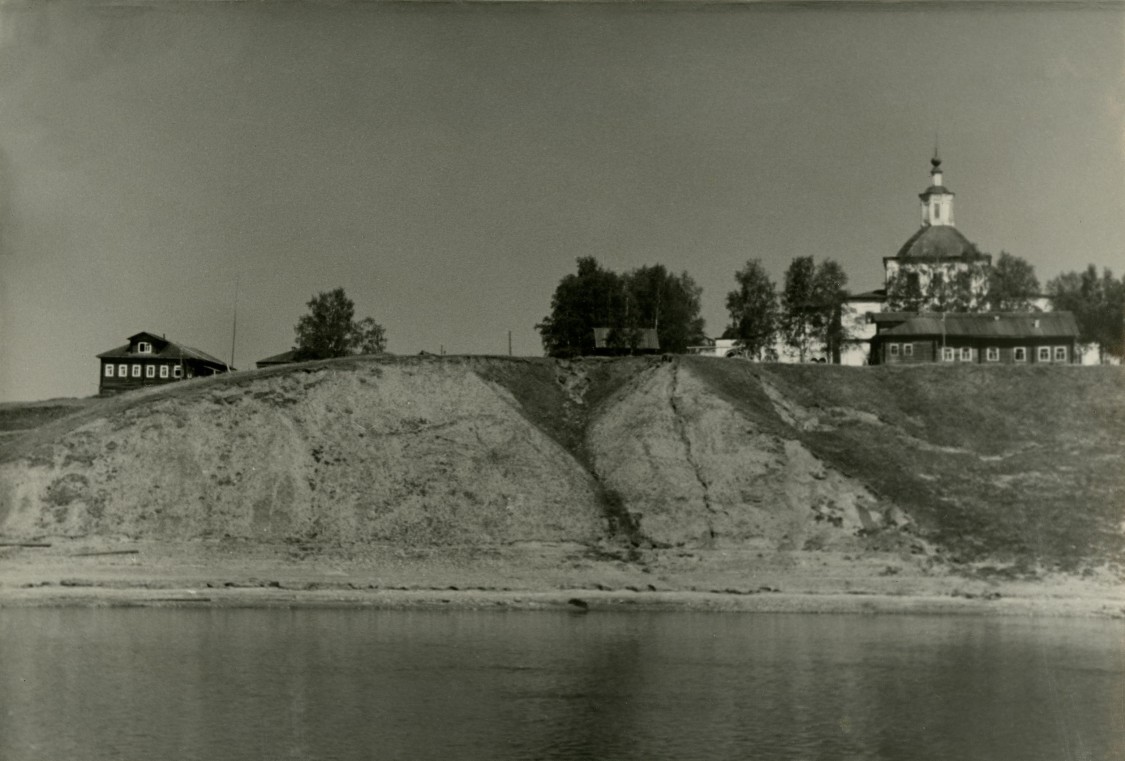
{"points": [[161, 684]]}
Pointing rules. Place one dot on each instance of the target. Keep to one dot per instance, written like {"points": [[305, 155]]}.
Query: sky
{"points": [[447, 164]]}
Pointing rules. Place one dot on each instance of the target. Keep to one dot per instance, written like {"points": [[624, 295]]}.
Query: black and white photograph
{"points": [[521, 380]]}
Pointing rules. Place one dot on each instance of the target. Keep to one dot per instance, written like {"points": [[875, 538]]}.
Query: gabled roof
{"points": [[989, 325], [151, 337], [163, 349], [879, 294], [938, 242], [283, 358], [647, 340]]}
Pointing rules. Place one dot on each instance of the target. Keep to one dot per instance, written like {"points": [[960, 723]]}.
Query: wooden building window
{"points": [[177, 372], [1060, 354], [1044, 354], [150, 371], [144, 348], [122, 371], [1019, 354], [992, 354], [136, 371], [948, 354], [109, 371], [908, 350], [894, 350], [164, 371], [966, 354]]}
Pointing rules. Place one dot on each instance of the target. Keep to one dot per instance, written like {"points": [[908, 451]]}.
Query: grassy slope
{"points": [[541, 387], [1022, 465], [19, 417], [561, 399]]}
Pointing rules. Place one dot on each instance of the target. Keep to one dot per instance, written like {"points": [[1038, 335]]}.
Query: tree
{"points": [[667, 303], [753, 311], [1012, 284], [646, 298], [811, 304], [328, 330], [797, 304], [829, 294], [905, 292], [368, 337], [592, 298], [1098, 304]]}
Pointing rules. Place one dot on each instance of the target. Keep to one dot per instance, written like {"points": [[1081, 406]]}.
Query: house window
{"points": [[947, 354], [966, 354], [1019, 354], [164, 371], [177, 372], [109, 371], [1060, 354], [894, 350], [908, 350], [1044, 354], [992, 354], [144, 347], [150, 371], [122, 371], [136, 371]]}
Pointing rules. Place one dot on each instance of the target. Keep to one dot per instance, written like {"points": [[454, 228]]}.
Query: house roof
{"points": [[938, 242], [879, 294], [881, 317], [283, 358], [989, 325], [648, 339], [163, 349]]}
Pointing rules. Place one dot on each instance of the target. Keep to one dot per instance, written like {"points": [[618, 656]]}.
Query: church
{"points": [[926, 310]]}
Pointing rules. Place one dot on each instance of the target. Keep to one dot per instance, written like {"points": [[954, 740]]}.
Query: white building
{"points": [[914, 281]]}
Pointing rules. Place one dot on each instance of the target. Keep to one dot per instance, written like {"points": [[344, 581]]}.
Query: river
{"points": [[81, 684]]}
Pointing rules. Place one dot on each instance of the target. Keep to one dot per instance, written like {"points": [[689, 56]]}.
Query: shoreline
{"points": [[576, 601], [552, 577]]}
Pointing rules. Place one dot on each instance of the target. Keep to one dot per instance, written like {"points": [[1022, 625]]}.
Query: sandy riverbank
{"points": [[529, 577]]}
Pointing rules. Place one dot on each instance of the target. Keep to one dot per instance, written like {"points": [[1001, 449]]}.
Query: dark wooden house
{"points": [[284, 358], [151, 360], [608, 341], [985, 338]]}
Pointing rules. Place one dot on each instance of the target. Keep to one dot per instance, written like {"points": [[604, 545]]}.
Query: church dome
{"points": [[938, 242]]}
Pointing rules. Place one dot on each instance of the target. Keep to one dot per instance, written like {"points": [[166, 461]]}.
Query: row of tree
{"points": [[1098, 303], [806, 312], [647, 298]]}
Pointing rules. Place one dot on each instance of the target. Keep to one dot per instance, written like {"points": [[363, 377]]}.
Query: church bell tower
{"points": [[937, 200]]}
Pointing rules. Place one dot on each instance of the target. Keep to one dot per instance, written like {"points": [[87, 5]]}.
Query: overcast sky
{"points": [[447, 164]]}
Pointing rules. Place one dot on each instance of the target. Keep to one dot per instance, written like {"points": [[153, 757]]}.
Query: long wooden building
{"points": [[150, 360], [988, 338]]}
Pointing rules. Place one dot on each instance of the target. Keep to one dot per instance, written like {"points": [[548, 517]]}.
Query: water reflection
{"points": [[343, 684]]}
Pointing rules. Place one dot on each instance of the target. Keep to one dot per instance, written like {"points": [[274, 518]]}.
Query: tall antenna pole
{"points": [[234, 324]]}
